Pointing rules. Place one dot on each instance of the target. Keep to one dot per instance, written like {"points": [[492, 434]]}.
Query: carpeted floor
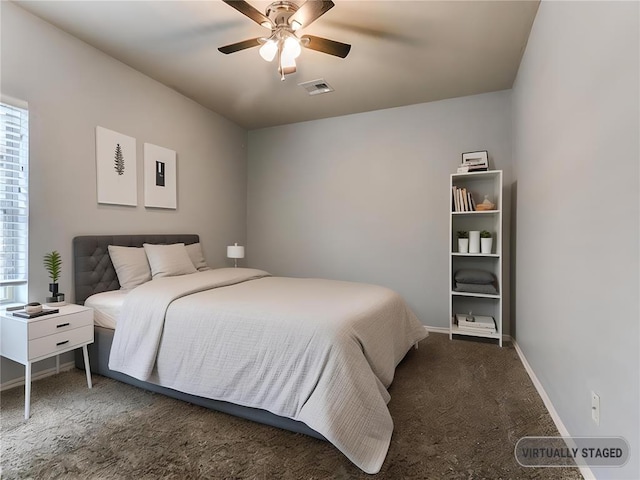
{"points": [[459, 408]]}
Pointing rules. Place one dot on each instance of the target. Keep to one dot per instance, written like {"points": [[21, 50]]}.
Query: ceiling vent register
{"points": [[316, 87]]}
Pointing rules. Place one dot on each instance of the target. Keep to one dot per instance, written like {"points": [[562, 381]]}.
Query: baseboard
{"points": [[585, 471], [436, 329], [16, 382]]}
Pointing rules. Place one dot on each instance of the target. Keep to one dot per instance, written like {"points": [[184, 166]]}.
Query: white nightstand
{"points": [[29, 340]]}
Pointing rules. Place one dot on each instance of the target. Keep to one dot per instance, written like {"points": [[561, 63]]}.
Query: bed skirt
{"points": [[99, 361]]}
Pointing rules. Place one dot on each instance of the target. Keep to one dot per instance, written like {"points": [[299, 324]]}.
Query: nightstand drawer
{"points": [[49, 345], [59, 323]]}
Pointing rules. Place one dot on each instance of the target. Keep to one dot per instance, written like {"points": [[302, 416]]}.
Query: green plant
{"points": [[463, 234], [53, 263], [485, 234]]}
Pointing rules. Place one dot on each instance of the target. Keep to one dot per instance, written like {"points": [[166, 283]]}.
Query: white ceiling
{"points": [[403, 52]]}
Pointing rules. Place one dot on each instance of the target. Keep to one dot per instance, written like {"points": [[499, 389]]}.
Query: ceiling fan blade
{"points": [[310, 11], [325, 45], [249, 11], [236, 47]]}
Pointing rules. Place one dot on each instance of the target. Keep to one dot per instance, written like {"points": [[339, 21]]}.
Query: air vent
{"points": [[316, 87]]}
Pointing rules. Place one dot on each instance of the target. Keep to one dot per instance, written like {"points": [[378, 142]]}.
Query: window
{"points": [[14, 200]]}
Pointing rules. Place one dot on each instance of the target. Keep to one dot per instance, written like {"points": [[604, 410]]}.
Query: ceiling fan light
{"points": [[268, 50], [291, 47], [295, 25]]}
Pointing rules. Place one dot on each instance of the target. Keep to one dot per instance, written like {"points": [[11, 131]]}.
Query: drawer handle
{"points": [[62, 325], [61, 343]]}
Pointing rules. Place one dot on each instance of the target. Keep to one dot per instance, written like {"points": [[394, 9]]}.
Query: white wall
{"points": [[366, 197], [576, 153], [71, 88]]}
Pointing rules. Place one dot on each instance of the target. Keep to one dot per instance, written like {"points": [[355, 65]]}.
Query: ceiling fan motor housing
{"points": [[279, 13]]}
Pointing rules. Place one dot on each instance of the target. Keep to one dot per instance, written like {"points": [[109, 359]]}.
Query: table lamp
{"points": [[235, 251]]}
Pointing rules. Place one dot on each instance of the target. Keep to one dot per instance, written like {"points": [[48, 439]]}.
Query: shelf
{"points": [[457, 254], [455, 330], [477, 295], [485, 173], [477, 212]]}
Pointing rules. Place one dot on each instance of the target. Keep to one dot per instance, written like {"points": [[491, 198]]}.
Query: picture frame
{"points": [[160, 172], [116, 168], [476, 161]]}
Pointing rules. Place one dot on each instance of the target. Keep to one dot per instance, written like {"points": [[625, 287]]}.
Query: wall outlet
{"points": [[595, 408]]}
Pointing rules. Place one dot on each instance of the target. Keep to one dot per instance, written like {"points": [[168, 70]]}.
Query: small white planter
{"points": [[463, 245], [486, 244], [474, 241]]}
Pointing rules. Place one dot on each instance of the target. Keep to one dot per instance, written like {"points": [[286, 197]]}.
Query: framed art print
{"points": [[476, 160], [116, 168], [159, 177]]}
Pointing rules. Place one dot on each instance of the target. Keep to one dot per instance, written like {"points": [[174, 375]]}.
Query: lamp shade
{"points": [[269, 49], [291, 48], [235, 251]]}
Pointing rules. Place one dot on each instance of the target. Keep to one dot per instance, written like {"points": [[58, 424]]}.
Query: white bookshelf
{"points": [[478, 184]]}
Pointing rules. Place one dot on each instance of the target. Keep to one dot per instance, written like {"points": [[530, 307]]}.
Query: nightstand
{"points": [[29, 340]]}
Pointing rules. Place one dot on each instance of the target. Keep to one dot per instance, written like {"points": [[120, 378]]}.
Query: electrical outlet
{"points": [[595, 408]]}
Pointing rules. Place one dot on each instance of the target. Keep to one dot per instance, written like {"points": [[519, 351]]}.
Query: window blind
{"points": [[14, 200]]}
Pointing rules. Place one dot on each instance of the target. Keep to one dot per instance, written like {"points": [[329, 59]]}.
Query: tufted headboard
{"points": [[93, 271]]}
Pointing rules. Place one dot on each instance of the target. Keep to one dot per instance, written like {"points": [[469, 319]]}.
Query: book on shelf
{"points": [[472, 204], [482, 331], [485, 331], [462, 200], [477, 168], [476, 322], [484, 320]]}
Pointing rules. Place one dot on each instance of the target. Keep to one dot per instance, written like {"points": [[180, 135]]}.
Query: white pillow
{"points": [[197, 258], [131, 266], [168, 260]]}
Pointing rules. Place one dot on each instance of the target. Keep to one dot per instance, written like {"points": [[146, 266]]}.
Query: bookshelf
{"points": [[464, 217]]}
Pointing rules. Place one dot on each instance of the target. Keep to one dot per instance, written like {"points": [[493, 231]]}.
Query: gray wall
{"points": [[71, 88], [366, 197], [576, 111]]}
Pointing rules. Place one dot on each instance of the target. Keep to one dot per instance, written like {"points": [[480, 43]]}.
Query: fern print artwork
{"points": [[119, 160], [116, 168]]}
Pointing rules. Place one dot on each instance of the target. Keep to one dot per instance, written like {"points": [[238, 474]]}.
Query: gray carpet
{"points": [[458, 406]]}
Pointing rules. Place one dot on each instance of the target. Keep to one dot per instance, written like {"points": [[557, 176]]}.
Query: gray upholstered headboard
{"points": [[93, 271]]}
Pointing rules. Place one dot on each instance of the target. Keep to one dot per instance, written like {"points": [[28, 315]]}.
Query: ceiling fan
{"points": [[284, 18]]}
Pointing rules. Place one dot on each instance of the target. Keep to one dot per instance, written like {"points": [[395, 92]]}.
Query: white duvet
{"points": [[319, 351]]}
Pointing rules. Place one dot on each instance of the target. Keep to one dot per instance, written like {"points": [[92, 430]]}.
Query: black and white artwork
{"points": [[159, 174], [116, 168], [159, 177]]}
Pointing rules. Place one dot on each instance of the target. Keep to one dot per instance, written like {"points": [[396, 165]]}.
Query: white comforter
{"points": [[319, 351]]}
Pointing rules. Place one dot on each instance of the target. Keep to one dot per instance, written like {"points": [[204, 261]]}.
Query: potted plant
{"points": [[463, 241], [52, 264], [486, 242]]}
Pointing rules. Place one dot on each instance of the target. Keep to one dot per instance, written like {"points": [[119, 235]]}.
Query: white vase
{"points": [[474, 241], [463, 245], [486, 245]]}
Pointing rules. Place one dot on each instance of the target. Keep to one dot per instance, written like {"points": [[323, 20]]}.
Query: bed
{"points": [[312, 356]]}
